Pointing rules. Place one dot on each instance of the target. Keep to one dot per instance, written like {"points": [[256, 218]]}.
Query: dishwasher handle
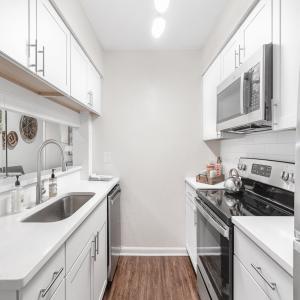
{"points": [[114, 193]]}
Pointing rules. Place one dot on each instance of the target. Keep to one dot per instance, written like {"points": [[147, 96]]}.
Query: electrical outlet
{"points": [[107, 158]]}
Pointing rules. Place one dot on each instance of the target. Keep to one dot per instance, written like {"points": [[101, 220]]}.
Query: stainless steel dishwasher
{"points": [[114, 230]]}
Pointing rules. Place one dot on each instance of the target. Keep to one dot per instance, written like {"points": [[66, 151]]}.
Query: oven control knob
{"points": [[285, 176]]}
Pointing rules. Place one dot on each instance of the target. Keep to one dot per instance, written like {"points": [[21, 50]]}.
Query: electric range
{"points": [[268, 190]]}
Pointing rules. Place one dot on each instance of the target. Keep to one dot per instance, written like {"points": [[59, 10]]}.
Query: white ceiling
{"points": [[126, 24]]}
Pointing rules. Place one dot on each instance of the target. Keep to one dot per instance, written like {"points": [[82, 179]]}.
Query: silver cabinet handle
{"points": [[34, 45], [43, 69], [91, 98], [272, 285], [195, 216], [235, 56], [240, 50], [97, 243], [56, 274], [95, 248]]}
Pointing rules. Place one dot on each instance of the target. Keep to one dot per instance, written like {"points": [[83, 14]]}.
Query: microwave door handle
{"points": [[242, 95]]}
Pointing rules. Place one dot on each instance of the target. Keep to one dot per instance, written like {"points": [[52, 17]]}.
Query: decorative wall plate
{"points": [[28, 128], [12, 140]]}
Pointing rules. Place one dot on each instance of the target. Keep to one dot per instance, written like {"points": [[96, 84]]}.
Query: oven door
{"points": [[214, 256]]}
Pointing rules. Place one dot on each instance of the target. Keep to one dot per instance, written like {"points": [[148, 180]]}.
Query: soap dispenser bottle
{"points": [[17, 197], [52, 185]]}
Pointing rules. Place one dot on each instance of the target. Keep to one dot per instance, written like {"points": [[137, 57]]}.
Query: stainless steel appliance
{"points": [[267, 190], [244, 98], [113, 230]]}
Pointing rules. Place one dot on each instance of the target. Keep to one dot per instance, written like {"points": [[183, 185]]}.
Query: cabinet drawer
{"points": [[190, 192], [76, 243], [245, 287], [263, 268], [47, 280]]}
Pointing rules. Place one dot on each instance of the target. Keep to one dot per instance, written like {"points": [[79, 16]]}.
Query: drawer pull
{"points": [[272, 285], [56, 274]]}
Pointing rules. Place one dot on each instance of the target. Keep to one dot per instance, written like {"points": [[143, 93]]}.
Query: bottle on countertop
{"points": [[218, 166], [17, 197], [52, 185]]}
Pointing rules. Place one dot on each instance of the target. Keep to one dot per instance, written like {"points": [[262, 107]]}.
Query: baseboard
{"points": [[153, 251]]}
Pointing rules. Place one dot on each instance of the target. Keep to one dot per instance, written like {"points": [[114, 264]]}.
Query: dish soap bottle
{"points": [[52, 185], [17, 197]]}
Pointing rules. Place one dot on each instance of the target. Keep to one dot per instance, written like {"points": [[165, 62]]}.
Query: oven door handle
{"points": [[223, 231]]}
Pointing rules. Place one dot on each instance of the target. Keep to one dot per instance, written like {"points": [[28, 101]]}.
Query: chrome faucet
{"points": [[39, 190]]}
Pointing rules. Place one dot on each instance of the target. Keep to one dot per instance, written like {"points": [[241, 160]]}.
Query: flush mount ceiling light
{"points": [[161, 5], [158, 27]]}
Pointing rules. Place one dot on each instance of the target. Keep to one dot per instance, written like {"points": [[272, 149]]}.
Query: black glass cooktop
{"points": [[254, 199]]}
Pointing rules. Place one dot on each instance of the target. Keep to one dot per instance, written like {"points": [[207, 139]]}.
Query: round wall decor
{"points": [[12, 140], [28, 128]]}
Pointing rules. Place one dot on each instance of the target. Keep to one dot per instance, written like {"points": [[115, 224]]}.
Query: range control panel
{"points": [[275, 173], [262, 170]]}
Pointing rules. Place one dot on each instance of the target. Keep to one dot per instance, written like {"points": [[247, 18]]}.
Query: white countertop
{"points": [[274, 235], [26, 247], [197, 185]]}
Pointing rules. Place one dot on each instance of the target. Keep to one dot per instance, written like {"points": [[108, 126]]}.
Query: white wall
{"points": [[272, 145], [151, 125], [77, 20]]}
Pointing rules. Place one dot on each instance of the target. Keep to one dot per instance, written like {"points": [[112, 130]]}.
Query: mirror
{"points": [[21, 138]]}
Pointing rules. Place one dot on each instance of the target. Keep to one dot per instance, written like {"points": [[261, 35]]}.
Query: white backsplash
{"points": [[268, 145]]}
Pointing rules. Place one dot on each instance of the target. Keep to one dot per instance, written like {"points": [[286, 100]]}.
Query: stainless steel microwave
{"points": [[244, 99]]}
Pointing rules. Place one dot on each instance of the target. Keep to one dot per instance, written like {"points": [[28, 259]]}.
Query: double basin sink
{"points": [[61, 209]]}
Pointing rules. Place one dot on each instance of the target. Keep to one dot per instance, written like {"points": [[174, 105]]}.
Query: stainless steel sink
{"points": [[61, 209]]}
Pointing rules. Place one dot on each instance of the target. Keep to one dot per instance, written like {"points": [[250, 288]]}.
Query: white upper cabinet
{"points": [[85, 79], [14, 29], [79, 73], [211, 79], [94, 89], [287, 74], [256, 30], [230, 57], [53, 47]]}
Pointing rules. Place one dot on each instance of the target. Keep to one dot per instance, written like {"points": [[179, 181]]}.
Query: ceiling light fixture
{"points": [[158, 27], [161, 5]]}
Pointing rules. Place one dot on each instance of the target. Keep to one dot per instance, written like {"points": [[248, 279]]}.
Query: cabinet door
{"points": [[211, 79], [53, 44], [191, 233], [79, 279], [94, 89], [100, 263], [14, 24], [79, 73], [245, 287], [286, 111], [257, 29], [60, 293], [229, 57]]}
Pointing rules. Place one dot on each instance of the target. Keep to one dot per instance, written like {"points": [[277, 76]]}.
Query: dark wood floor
{"points": [[155, 278]]}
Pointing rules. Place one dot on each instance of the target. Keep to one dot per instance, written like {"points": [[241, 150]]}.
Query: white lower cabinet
{"points": [[245, 287], [77, 271], [100, 264], [79, 279], [191, 225], [271, 280]]}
